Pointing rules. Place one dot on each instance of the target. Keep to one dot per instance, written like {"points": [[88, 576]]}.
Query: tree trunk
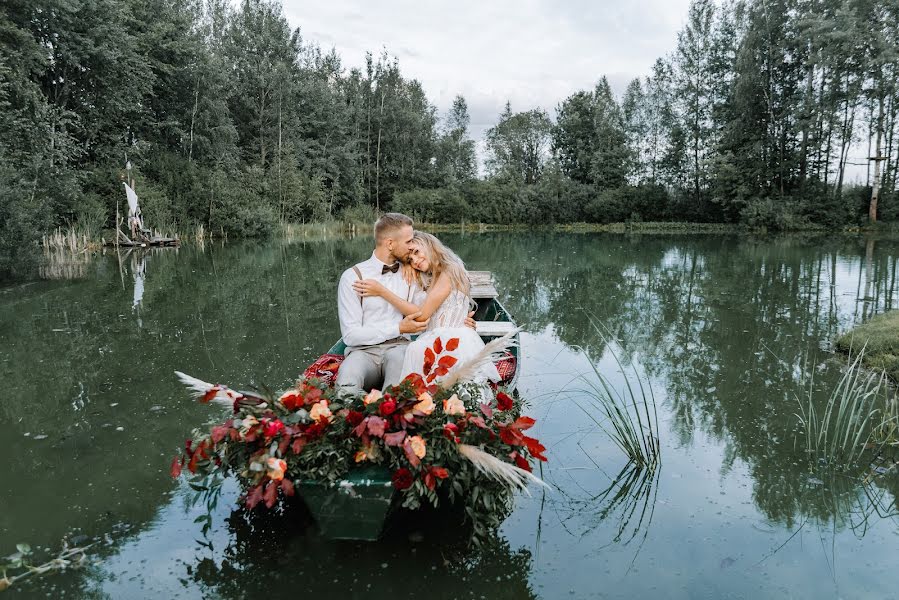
{"points": [[875, 188], [193, 118], [806, 123], [378, 157], [280, 181]]}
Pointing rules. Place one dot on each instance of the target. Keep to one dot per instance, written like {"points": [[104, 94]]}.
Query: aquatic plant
{"points": [[19, 564], [628, 415], [852, 415]]}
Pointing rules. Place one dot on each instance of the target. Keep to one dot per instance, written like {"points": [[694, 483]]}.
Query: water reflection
{"points": [[728, 327]]}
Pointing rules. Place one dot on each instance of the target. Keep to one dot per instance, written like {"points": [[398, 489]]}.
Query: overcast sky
{"points": [[531, 52]]}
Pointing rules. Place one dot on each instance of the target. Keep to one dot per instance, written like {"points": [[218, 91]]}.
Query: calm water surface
{"points": [[725, 327]]}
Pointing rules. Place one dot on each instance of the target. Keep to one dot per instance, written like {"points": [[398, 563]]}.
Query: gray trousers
{"points": [[371, 367]]}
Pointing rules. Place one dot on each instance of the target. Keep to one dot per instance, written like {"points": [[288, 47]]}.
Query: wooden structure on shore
{"points": [[141, 236]]}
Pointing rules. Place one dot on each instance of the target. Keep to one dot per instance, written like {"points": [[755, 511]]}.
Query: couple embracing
{"points": [[412, 285]]}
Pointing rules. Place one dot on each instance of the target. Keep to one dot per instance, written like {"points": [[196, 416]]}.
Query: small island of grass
{"points": [[880, 339]]}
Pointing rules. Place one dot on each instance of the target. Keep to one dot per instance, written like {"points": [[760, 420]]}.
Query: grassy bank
{"points": [[880, 339]]}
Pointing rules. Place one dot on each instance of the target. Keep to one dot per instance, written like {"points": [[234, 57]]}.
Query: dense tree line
{"points": [[234, 121]]}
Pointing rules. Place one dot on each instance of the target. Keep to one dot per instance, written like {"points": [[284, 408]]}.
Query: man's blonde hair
{"points": [[388, 224]]}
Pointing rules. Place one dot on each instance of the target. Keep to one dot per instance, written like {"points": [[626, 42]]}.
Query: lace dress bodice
{"points": [[452, 312]]}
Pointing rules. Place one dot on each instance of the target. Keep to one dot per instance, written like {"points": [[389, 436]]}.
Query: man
{"points": [[376, 333]]}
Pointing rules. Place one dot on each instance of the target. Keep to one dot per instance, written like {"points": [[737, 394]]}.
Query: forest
{"points": [[235, 122]]}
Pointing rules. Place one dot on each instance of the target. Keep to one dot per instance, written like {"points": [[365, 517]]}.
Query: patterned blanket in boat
{"points": [[327, 365]]}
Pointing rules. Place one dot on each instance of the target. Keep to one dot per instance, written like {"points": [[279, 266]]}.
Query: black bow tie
{"points": [[391, 269]]}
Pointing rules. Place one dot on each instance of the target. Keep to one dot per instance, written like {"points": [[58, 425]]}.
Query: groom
{"points": [[376, 333]]}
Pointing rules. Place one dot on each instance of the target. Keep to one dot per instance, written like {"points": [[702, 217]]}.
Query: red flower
{"points": [[431, 476], [451, 431], [354, 417], [292, 400], [402, 478], [387, 407], [272, 428], [503, 401]]}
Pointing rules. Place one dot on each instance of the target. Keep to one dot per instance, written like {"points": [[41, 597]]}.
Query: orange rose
{"points": [[276, 468], [372, 396], [425, 405], [453, 406], [418, 445], [320, 412]]}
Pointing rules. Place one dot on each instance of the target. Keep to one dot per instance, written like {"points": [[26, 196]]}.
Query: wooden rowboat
{"points": [[357, 507]]}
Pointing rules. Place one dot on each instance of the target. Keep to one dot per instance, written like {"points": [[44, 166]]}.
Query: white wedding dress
{"points": [[448, 322]]}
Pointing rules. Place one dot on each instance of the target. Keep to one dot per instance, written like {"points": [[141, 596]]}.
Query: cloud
{"points": [[533, 53]]}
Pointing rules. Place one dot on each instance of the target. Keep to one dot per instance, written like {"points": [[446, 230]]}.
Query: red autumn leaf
{"points": [[176, 467], [440, 371], [521, 462], [447, 361], [429, 360], [432, 389], [523, 423], [297, 445], [287, 487], [488, 412], [219, 432], [535, 447], [452, 344], [418, 383], [395, 439], [208, 396], [192, 465], [479, 421], [271, 494], [254, 496], [438, 346], [313, 395], [431, 378], [283, 444], [429, 480], [511, 436]]}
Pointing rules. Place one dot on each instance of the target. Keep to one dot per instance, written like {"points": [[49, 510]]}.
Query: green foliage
{"points": [[432, 206], [751, 119]]}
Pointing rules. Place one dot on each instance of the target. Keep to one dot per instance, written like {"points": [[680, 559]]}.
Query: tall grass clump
{"points": [[851, 420], [627, 415]]}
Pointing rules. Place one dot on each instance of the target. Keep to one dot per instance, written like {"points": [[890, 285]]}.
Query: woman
{"points": [[442, 273]]}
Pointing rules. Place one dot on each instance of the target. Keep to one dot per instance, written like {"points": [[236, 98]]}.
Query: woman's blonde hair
{"points": [[443, 260]]}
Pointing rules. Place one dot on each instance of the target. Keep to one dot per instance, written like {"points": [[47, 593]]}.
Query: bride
{"points": [[442, 273]]}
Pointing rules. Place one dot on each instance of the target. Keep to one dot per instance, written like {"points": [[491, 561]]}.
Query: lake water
{"points": [[726, 329]]}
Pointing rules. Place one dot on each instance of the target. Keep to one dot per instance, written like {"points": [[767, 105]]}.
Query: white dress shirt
{"points": [[372, 320]]}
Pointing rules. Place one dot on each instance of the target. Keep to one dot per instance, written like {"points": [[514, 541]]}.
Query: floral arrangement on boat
{"points": [[441, 436]]}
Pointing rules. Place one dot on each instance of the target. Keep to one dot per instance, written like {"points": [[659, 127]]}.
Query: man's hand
{"points": [[470, 322], [410, 325]]}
